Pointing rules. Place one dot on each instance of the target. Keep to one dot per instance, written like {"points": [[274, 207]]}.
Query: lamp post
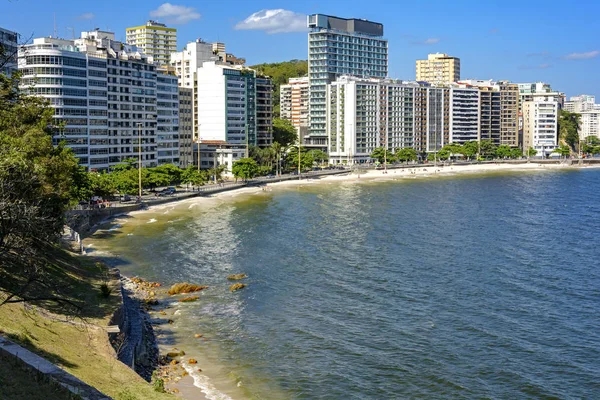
{"points": [[299, 171], [140, 160]]}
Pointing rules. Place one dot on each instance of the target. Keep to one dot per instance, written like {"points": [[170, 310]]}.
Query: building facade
{"points": [[293, 104], [167, 122], [589, 124], [581, 103], [105, 93], [438, 69], [336, 47], [8, 51], [464, 114], [540, 125], [154, 39], [264, 112], [186, 126]]}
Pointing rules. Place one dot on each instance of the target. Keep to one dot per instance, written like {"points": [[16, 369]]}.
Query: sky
{"points": [[520, 41]]}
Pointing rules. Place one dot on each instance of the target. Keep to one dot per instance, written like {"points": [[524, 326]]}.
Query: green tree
{"points": [[470, 149], [381, 155], [503, 151], [406, 154], [568, 128], [291, 160], [318, 156], [487, 148], [284, 132], [531, 152], [244, 168], [172, 172], [191, 176], [516, 152], [563, 150]]}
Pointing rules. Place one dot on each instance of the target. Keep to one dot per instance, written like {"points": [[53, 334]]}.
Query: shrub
{"points": [[105, 291]]}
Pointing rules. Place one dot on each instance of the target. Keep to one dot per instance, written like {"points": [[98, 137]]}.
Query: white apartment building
{"points": [[464, 114], [8, 56], [293, 103], [106, 94], [589, 124], [154, 39], [540, 125], [336, 47], [581, 103]]}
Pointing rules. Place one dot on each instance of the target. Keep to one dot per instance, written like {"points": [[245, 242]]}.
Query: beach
{"points": [[185, 386]]}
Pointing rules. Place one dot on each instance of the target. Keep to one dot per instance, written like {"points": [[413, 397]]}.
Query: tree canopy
{"points": [[245, 168], [284, 132]]}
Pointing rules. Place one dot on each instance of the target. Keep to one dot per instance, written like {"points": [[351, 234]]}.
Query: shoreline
{"points": [[186, 385]]}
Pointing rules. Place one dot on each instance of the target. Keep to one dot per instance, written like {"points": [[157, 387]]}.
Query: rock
{"points": [[184, 373], [171, 321], [174, 362], [198, 335], [199, 370], [192, 361], [152, 294], [182, 288], [237, 286], [152, 302], [175, 390], [237, 277], [189, 299], [162, 312]]}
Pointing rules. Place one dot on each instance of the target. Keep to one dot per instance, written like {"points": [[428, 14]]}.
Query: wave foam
{"points": [[203, 383]]}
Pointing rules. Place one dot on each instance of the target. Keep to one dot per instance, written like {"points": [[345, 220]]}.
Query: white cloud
{"points": [[428, 41], [540, 66], [88, 15], [173, 14], [274, 21], [582, 56]]}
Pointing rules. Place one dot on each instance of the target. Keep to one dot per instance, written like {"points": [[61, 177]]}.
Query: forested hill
{"points": [[280, 73]]}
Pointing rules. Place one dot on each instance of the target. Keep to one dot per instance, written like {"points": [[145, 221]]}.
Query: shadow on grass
{"points": [[25, 341]]}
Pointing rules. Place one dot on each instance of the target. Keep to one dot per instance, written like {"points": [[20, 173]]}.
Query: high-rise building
{"points": [[155, 40], [8, 51], [264, 112], [581, 103], [363, 114], [589, 124], [234, 107], [438, 69], [106, 94], [540, 124], [509, 113], [527, 92], [186, 126], [336, 47], [293, 104], [464, 114], [167, 122]]}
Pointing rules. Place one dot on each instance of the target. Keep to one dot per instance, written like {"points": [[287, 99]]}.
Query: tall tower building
{"points": [[438, 69], [155, 40], [336, 47], [8, 51], [293, 104], [540, 124]]}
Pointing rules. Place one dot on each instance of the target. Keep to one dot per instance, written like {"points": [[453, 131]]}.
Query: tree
{"points": [[470, 149], [38, 182], [284, 132], [318, 156], [381, 155], [531, 152], [191, 176], [245, 168], [516, 152], [503, 151], [563, 150], [306, 160], [406, 154], [487, 148], [568, 128], [172, 172]]}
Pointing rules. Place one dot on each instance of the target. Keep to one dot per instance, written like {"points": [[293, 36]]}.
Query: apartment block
{"points": [[8, 51], [363, 114], [464, 114], [336, 47], [167, 122], [186, 126], [527, 92], [438, 69], [154, 39], [581, 103], [293, 104], [540, 124], [106, 93], [589, 124], [509, 113], [234, 106]]}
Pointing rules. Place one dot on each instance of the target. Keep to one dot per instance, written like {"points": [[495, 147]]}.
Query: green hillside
{"points": [[280, 73]]}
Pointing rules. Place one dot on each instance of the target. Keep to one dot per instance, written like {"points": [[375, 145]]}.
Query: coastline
{"points": [[186, 386]]}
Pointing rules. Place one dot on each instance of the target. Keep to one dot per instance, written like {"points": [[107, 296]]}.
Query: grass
{"points": [[80, 346]]}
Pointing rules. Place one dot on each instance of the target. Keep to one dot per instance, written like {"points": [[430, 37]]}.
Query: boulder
{"points": [[237, 277], [188, 299], [198, 335], [183, 288], [237, 286], [192, 361]]}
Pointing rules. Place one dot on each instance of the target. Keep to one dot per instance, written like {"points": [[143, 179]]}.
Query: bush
{"points": [[105, 291], [158, 383]]}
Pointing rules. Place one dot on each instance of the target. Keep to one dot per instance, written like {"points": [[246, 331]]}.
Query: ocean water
{"points": [[453, 287]]}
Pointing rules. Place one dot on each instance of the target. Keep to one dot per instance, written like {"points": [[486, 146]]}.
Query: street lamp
{"points": [[199, 142], [140, 160]]}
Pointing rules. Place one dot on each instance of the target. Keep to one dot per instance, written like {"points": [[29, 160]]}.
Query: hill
{"points": [[279, 74]]}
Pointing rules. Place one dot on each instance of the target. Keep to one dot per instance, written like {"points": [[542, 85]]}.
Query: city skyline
{"points": [[522, 36]]}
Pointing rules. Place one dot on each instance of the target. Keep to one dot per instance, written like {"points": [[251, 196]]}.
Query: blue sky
{"points": [[522, 41]]}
